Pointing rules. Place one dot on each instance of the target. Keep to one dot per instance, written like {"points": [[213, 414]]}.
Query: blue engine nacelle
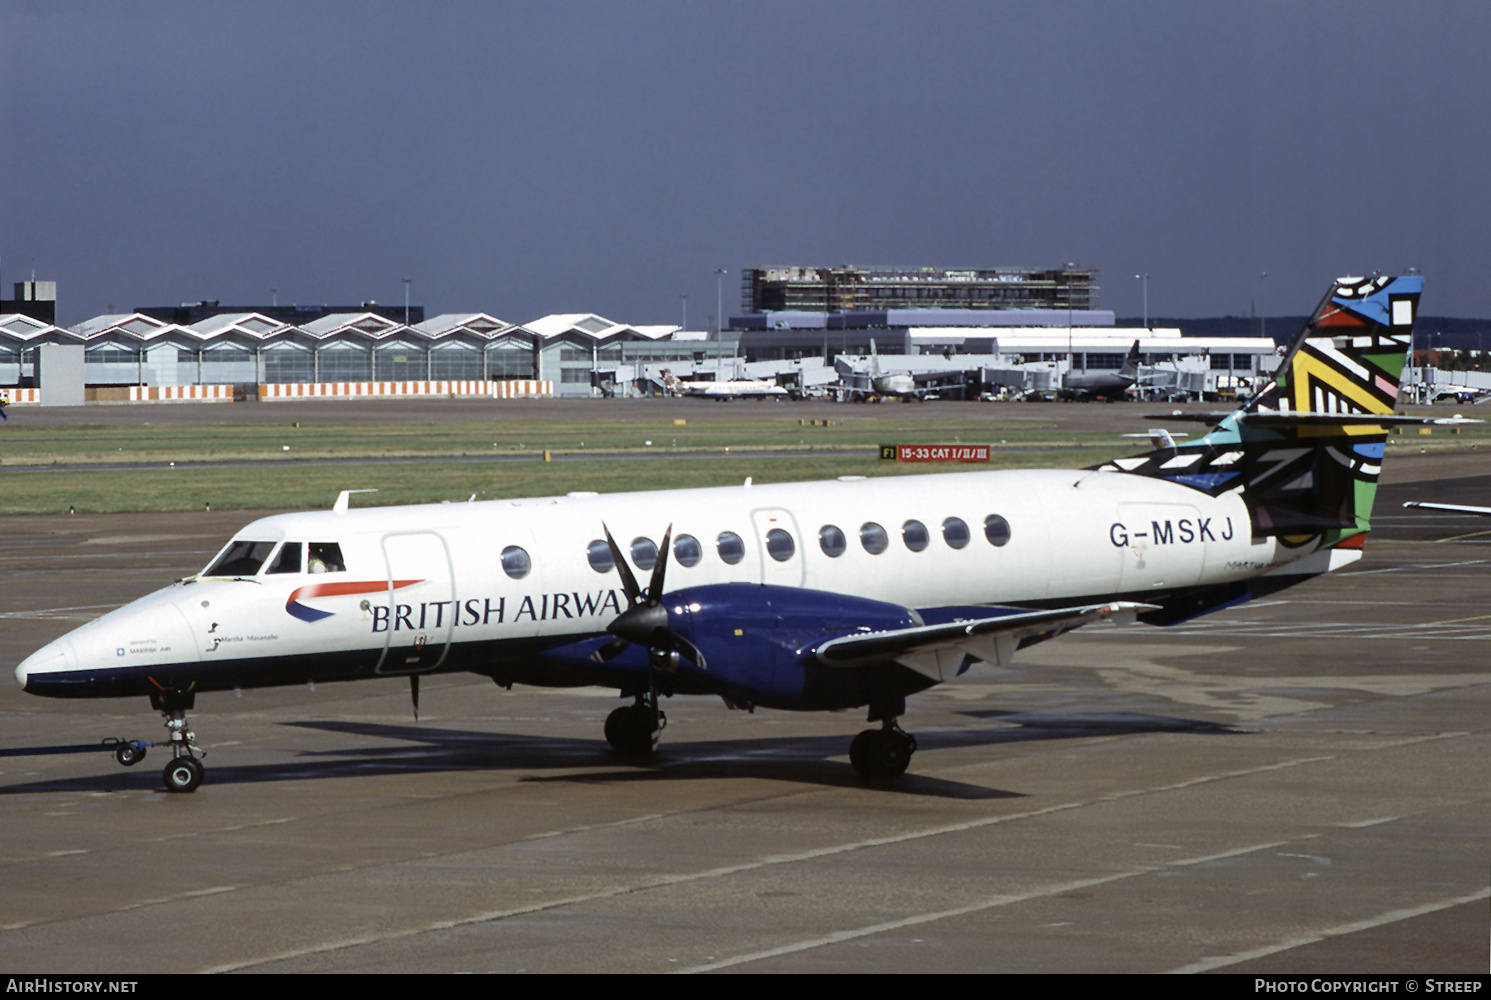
{"points": [[758, 643]]}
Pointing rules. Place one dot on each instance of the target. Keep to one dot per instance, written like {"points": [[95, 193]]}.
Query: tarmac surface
{"points": [[1295, 785]]}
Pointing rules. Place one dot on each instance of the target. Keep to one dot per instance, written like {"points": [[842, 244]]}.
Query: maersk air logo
{"points": [[309, 614]]}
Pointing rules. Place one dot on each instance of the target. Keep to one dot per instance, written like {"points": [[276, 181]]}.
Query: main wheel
{"points": [[129, 755], [629, 729], [881, 753], [183, 774]]}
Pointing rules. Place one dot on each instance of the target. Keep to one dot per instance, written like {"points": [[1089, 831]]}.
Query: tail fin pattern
{"points": [[1305, 452]]}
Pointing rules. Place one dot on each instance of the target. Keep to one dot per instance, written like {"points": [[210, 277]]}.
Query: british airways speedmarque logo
{"points": [[315, 590]]}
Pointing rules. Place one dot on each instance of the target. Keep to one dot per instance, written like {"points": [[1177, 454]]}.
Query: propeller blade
{"points": [[645, 620], [610, 650], [655, 585], [628, 582], [688, 649]]}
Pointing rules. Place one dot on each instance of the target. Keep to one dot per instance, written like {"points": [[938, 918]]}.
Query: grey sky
{"points": [[528, 158]]}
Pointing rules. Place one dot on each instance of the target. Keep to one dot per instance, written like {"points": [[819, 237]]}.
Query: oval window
{"points": [[873, 537], [599, 554], [687, 551], [779, 545], [831, 541], [730, 547], [955, 532], [996, 529], [644, 553], [914, 534], [515, 562]]}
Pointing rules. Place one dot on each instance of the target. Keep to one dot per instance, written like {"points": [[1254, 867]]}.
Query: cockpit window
{"points": [[240, 558], [326, 557], [288, 559]]}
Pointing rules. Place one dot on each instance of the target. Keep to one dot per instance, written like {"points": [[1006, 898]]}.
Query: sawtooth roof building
{"points": [[251, 348]]}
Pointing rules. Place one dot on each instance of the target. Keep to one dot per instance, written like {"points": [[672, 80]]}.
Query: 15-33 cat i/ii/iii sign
{"points": [[934, 452]]}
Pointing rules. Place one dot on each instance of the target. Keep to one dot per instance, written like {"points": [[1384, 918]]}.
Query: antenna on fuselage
{"points": [[344, 500]]}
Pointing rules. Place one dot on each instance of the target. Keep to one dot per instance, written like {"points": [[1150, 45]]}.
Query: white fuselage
{"points": [[420, 581]]}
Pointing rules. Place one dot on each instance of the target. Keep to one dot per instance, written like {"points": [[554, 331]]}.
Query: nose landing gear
{"points": [[184, 773]]}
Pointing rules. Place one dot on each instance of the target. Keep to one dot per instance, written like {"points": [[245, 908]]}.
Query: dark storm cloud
{"points": [[527, 158]]}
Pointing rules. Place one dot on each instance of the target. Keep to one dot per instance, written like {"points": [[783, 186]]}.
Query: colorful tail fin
{"points": [[1306, 451]]}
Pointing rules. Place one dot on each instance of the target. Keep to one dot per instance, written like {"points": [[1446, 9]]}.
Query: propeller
{"points": [[645, 621]]}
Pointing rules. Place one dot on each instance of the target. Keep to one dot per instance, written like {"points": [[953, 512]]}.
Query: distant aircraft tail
{"points": [[1306, 451], [1130, 368]]}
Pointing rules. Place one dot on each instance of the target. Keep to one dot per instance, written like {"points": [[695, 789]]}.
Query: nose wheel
{"points": [[183, 774], [185, 771]]}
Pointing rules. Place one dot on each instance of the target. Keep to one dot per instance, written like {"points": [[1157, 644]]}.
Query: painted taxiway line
{"points": [[1043, 892], [46, 614], [795, 857], [1390, 917]]}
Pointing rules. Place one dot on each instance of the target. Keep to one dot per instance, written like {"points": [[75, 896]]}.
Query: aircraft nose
{"points": [[48, 659]]}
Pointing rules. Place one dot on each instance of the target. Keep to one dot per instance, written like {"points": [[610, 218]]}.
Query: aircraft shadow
{"points": [[805, 760]]}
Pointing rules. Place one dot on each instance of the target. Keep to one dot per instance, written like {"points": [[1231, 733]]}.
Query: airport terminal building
{"points": [[987, 317]]}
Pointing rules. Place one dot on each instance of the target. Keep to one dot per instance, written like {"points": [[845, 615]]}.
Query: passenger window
{"points": [[914, 534], [288, 559], [779, 545], [515, 562], [730, 547], [996, 529], [599, 554], [326, 557], [873, 537], [955, 532], [644, 553], [831, 541], [240, 559], [687, 550]]}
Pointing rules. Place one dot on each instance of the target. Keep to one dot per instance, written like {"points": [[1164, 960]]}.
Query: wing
{"points": [[937, 651]]}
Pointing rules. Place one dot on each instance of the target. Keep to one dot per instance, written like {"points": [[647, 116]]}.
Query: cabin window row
{"points": [[781, 546]]}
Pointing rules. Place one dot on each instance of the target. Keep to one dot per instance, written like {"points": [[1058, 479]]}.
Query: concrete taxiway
{"points": [[1295, 785]]}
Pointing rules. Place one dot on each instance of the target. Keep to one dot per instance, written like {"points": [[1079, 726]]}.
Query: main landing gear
{"points": [[636, 728], [884, 752]]}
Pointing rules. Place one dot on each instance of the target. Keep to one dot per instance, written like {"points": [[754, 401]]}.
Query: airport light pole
{"points": [[684, 298], [274, 294], [1071, 358], [406, 299], [1262, 313], [1145, 278], [719, 300]]}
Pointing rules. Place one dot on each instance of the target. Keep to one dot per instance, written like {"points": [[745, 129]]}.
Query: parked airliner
{"points": [[852, 593], [1103, 385]]}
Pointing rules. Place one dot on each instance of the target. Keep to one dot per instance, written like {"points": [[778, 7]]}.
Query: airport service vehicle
{"points": [[853, 593]]}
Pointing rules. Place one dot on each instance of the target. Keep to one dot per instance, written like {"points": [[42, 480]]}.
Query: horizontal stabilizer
{"points": [[1455, 508], [1274, 418], [938, 650]]}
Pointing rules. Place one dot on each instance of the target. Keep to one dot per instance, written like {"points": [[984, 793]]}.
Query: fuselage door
{"points": [[1164, 543], [421, 601], [779, 543]]}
